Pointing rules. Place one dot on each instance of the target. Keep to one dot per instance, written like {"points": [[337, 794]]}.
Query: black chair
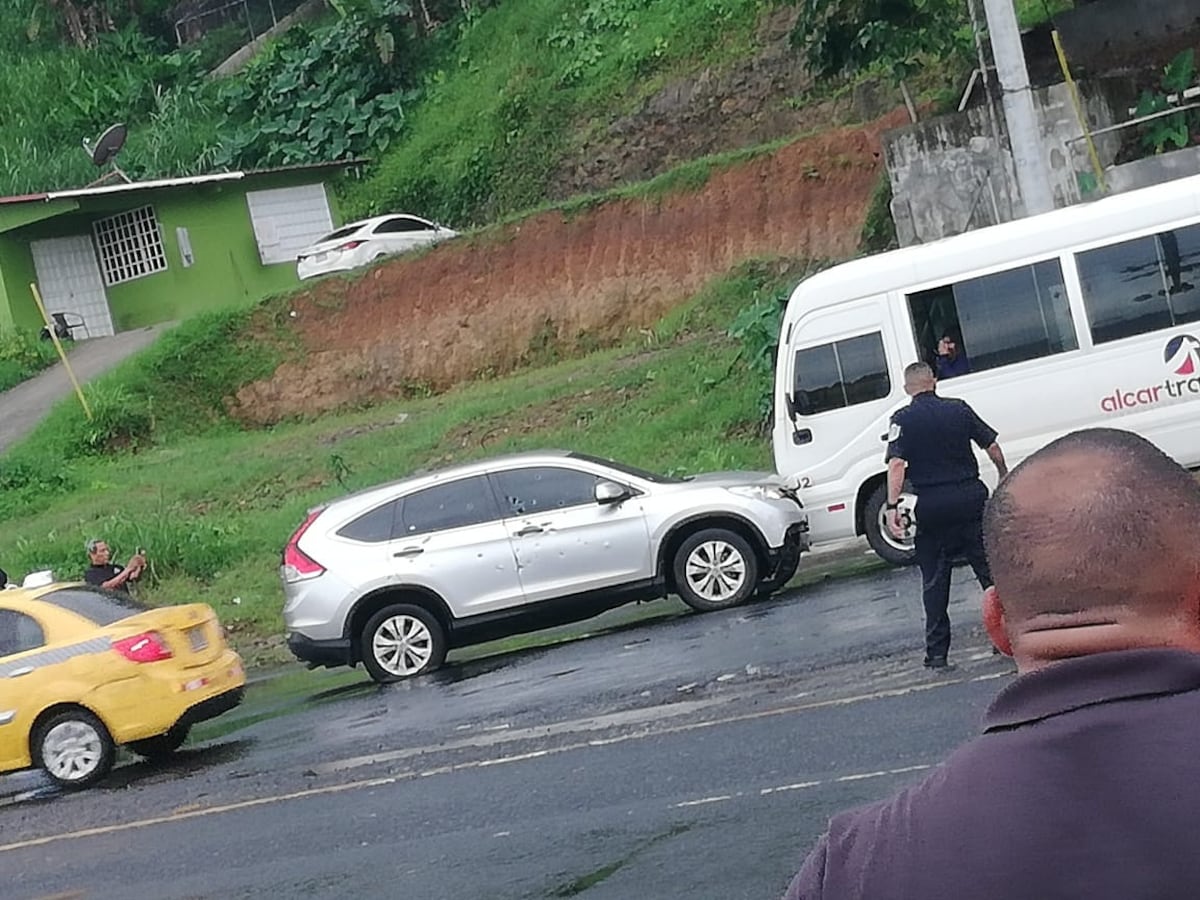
{"points": [[65, 324]]}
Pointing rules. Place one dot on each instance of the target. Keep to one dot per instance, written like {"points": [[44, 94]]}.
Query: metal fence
{"points": [[251, 17]]}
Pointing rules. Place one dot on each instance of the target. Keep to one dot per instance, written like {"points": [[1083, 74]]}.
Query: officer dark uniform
{"points": [[933, 437]]}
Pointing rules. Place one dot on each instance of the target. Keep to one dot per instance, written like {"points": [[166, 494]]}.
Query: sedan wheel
{"points": [[715, 569], [75, 749], [402, 641]]}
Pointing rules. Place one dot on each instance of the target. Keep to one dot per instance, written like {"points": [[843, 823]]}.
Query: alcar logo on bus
{"points": [[1182, 357]]}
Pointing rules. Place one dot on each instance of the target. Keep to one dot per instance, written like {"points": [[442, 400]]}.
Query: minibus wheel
{"points": [[889, 548]]}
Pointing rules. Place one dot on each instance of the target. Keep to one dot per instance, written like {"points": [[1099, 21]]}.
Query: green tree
{"points": [[895, 36]]}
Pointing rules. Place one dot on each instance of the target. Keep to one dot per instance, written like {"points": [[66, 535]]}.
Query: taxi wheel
{"points": [[74, 748], [715, 569], [161, 745]]}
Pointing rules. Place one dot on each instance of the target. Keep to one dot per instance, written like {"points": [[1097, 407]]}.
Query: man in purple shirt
{"points": [[1086, 779]]}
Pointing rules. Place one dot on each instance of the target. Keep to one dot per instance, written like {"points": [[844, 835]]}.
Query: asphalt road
{"points": [[694, 757]]}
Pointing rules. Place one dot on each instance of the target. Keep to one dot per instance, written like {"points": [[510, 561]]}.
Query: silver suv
{"points": [[396, 575]]}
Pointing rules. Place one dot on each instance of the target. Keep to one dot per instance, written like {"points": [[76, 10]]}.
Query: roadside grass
{"points": [[22, 355], [213, 507]]}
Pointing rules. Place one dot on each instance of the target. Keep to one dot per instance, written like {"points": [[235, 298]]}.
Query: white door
{"points": [[565, 541], [69, 281], [840, 389]]}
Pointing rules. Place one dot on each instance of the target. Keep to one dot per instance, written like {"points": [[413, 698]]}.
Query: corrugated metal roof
{"points": [[176, 182]]}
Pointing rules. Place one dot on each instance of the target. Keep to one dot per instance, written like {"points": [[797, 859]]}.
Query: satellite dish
{"points": [[105, 150], [108, 146]]}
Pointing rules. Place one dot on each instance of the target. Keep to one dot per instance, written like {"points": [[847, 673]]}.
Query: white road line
{"points": [[703, 801]]}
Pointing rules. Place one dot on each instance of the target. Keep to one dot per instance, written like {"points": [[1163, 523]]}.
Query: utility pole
{"points": [[1029, 159]]}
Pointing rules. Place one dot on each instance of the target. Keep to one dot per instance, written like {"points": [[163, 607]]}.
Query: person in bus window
{"points": [[951, 360]]}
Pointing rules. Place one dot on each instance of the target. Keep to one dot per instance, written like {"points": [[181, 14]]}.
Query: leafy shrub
{"points": [[22, 355], [328, 92], [757, 327], [1174, 130]]}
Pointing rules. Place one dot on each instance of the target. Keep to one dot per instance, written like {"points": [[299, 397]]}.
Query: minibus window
{"points": [[1143, 285], [839, 374], [996, 320]]}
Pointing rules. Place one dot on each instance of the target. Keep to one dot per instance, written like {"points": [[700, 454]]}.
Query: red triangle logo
{"points": [[1188, 367]]}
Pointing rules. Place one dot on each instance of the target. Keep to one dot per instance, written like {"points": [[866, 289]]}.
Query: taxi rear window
{"points": [[100, 606]]}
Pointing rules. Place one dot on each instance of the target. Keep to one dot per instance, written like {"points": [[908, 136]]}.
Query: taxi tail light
{"points": [[146, 647], [298, 565]]}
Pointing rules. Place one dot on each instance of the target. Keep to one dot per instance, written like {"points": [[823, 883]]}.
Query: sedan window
{"points": [[402, 223], [344, 232], [95, 604], [544, 488], [19, 632], [468, 501]]}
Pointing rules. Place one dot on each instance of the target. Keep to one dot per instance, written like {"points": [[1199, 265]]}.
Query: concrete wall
{"points": [[1154, 170], [955, 172]]}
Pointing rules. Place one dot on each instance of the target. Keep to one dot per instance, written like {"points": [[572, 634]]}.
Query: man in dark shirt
{"points": [[103, 573], [929, 443], [1086, 780]]}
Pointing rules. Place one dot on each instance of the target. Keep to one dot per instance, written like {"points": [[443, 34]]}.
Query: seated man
{"points": [[950, 360], [1085, 781], [103, 573]]}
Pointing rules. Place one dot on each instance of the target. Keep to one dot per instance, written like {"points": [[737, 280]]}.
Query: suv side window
{"points": [[544, 488], [19, 632], [468, 501], [839, 374], [1142, 285], [373, 527]]}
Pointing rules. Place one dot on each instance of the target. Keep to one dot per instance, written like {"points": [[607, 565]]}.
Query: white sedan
{"points": [[360, 243]]}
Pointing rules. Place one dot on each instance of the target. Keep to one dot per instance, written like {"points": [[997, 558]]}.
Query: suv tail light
{"points": [[298, 565], [146, 647]]}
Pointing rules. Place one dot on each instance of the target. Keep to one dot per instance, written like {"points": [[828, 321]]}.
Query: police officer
{"points": [[929, 441]]}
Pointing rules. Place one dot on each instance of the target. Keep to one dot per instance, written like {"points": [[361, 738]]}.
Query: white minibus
{"points": [[1085, 316]]}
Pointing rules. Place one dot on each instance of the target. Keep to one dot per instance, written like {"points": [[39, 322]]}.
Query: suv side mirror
{"points": [[610, 492]]}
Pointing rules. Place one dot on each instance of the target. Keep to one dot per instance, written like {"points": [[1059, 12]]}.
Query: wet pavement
{"points": [[666, 756]]}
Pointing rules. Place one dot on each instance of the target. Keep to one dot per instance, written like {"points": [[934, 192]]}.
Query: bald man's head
{"points": [[918, 378], [1098, 520]]}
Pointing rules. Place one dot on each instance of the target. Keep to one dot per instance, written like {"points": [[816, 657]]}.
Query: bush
{"points": [[22, 355]]}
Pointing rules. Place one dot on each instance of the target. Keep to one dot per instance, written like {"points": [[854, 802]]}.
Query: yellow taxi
{"points": [[83, 670]]}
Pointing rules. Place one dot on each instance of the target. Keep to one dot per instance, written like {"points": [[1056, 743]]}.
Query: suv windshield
{"points": [[100, 606], [628, 470]]}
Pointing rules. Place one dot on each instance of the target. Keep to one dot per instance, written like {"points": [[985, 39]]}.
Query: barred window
{"points": [[129, 245]]}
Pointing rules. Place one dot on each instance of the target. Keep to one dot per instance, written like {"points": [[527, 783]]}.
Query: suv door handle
{"points": [[530, 529], [410, 551], [17, 673]]}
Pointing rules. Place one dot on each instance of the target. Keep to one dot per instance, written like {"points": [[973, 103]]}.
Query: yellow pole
{"points": [[1074, 91], [62, 354]]}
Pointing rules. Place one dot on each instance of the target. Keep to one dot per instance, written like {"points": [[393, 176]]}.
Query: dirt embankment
{"points": [[482, 304]]}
